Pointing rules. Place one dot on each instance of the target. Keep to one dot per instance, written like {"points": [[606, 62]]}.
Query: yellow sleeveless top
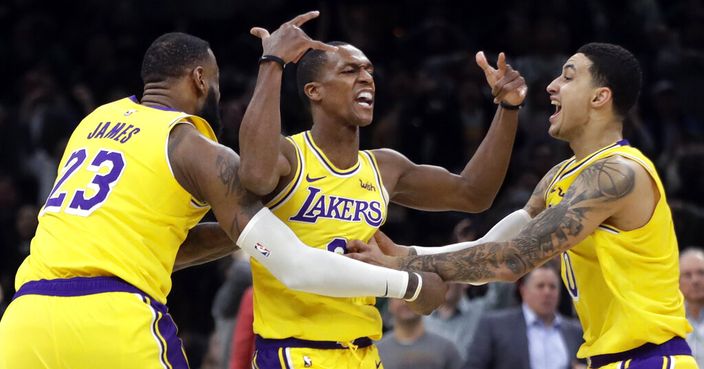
{"points": [[116, 208], [325, 206], [624, 284]]}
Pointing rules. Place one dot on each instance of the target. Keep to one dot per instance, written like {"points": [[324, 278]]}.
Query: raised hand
{"points": [[289, 42], [506, 83]]}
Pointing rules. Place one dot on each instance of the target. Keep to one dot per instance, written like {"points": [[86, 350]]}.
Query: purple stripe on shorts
{"points": [[268, 359], [646, 356], [174, 353]]}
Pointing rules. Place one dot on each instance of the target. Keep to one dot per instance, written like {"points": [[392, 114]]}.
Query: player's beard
{"points": [[211, 112]]}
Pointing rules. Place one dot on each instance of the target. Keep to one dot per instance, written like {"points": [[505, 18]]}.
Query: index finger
{"points": [[305, 17], [322, 46], [501, 62]]}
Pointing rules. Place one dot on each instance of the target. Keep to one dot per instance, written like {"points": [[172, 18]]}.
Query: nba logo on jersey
{"points": [[262, 249]]}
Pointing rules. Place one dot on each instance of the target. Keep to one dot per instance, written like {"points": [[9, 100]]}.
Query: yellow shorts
{"points": [[289, 354], [75, 323]]}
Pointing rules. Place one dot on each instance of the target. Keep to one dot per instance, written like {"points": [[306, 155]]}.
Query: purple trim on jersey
{"points": [[308, 137], [646, 356], [164, 108], [82, 286], [623, 142], [268, 344]]}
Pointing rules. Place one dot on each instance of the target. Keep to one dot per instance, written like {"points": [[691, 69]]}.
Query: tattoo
{"points": [[553, 231], [536, 203], [227, 172]]}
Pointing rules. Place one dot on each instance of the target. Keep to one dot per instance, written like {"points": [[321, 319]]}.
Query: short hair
{"points": [[171, 55], [616, 68], [308, 69]]}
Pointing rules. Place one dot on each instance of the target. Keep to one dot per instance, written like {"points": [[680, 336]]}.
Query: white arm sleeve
{"points": [[300, 267], [504, 230]]}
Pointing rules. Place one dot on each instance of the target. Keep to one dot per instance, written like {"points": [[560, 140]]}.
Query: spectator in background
{"points": [[456, 319], [692, 286], [533, 336], [242, 347], [410, 346], [226, 303]]}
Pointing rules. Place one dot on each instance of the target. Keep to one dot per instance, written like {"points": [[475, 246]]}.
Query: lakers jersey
{"points": [[116, 208], [624, 284], [325, 206]]}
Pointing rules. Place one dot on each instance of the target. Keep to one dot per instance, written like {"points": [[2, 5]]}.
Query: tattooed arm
{"points": [[208, 171], [604, 190]]}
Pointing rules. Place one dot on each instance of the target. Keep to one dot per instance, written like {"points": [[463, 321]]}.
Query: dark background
{"points": [[60, 60]]}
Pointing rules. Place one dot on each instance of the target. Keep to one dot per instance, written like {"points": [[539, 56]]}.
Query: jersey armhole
{"points": [[286, 192]]}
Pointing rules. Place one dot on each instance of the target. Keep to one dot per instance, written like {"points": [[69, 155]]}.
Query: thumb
{"points": [[483, 63], [259, 32], [383, 241]]}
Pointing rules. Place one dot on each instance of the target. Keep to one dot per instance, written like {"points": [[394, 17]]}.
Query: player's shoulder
{"points": [[389, 156]]}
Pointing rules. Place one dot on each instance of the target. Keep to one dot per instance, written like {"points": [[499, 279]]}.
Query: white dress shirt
{"points": [[546, 347]]}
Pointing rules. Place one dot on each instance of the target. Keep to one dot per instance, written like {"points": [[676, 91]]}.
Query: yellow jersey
{"points": [[325, 206], [624, 284], [116, 208]]}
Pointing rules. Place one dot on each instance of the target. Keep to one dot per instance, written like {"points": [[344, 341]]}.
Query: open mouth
{"points": [[558, 109], [365, 99]]}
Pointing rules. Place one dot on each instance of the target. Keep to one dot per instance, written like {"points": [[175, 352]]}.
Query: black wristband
{"points": [[274, 58], [510, 107]]}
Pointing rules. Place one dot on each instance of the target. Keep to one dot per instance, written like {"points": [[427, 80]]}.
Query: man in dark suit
{"points": [[532, 336]]}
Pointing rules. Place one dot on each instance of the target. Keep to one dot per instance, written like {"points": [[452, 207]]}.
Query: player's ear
{"points": [[198, 79], [601, 96], [313, 90]]}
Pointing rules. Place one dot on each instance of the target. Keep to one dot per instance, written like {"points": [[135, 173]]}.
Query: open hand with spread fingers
{"points": [[507, 85], [289, 42]]}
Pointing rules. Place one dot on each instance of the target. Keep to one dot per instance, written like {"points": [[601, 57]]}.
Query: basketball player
{"points": [[603, 212], [135, 179], [328, 191]]}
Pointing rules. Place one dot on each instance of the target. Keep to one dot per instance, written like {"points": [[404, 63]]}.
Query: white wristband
{"points": [[418, 288]]}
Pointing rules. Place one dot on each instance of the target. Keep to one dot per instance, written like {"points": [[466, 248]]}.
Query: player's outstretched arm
{"points": [[433, 188], [599, 192], [209, 172], [261, 146]]}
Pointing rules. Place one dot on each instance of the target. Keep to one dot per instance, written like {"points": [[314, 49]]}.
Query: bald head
{"points": [[692, 275]]}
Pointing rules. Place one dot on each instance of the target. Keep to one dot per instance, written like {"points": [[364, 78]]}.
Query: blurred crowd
{"points": [[432, 105]]}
